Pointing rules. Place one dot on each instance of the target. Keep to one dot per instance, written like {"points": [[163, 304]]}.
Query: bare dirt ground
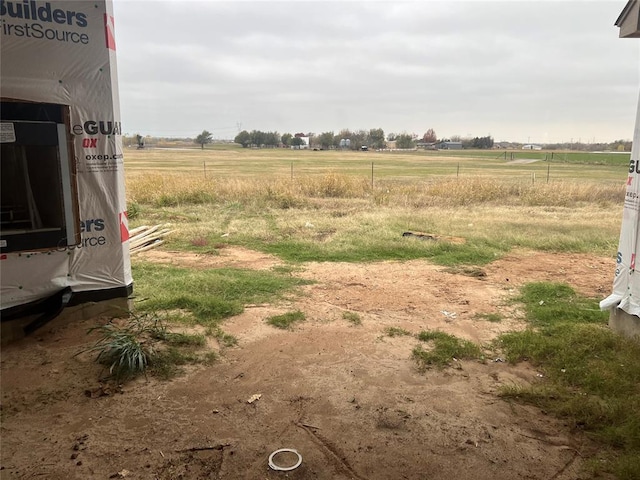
{"points": [[349, 399]]}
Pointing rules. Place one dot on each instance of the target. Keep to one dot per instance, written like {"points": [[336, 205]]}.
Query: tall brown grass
{"points": [[190, 189]]}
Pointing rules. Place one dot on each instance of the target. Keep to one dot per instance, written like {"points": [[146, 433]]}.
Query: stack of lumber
{"points": [[144, 237]]}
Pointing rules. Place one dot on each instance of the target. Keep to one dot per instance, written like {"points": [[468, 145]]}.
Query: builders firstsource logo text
{"points": [[39, 20]]}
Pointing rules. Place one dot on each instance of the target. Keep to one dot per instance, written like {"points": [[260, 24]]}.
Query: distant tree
{"points": [[455, 138], [404, 140], [358, 139], [620, 145], [257, 138], [376, 138], [204, 138], [430, 136], [325, 139], [482, 142], [286, 139], [297, 142], [391, 137], [243, 138], [272, 139]]}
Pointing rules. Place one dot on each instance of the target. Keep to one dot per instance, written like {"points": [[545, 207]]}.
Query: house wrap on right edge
{"points": [[624, 302]]}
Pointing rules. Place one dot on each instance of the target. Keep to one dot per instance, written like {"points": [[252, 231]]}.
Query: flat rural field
{"points": [[435, 244], [516, 165]]}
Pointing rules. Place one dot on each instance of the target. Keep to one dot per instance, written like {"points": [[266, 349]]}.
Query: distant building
{"points": [[449, 145], [531, 147]]}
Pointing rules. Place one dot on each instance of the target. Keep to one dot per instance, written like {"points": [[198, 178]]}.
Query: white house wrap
{"points": [[64, 221], [624, 302], [626, 283]]}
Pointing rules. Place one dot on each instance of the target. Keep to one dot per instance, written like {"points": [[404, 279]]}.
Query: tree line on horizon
{"points": [[374, 139]]}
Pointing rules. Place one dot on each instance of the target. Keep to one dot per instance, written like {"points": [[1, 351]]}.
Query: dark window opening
{"points": [[38, 196]]}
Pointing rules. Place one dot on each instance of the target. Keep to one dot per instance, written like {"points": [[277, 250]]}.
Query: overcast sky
{"points": [[534, 71]]}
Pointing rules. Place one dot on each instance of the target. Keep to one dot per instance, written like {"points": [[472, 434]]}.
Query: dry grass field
{"points": [[252, 196]]}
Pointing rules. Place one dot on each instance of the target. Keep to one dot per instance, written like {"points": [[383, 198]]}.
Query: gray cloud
{"points": [[544, 71]]}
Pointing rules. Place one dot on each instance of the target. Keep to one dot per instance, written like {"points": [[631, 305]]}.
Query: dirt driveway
{"points": [[349, 399]]}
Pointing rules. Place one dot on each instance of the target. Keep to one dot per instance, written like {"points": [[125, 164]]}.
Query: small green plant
{"points": [[352, 317], [125, 347], [133, 210], [396, 332], [225, 339], [286, 320], [489, 317], [469, 271], [287, 269], [444, 349], [210, 358], [167, 362], [141, 343]]}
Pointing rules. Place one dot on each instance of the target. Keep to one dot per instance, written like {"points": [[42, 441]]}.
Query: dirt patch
{"points": [[348, 398]]}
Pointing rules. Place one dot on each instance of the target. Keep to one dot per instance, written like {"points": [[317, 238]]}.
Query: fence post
{"points": [[292, 170], [548, 170], [204, 167], [371, 175], [458, 170]]}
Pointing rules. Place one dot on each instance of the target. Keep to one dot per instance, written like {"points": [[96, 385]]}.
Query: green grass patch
{"points": [[591, 375], [286, 320], [167, 363], [369, 247], [396, 332], [489, 317], [468, 271], [184, 339], [549, 304], [443, 349], [225, 339], [288, 269], [352, 317], [208, 295]]}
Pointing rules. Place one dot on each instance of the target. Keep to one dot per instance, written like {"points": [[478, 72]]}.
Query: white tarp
{"points": [[626, 284], [63, 52]]}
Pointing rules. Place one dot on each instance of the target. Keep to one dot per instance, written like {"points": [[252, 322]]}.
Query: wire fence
{"points": [[525, 166]]}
